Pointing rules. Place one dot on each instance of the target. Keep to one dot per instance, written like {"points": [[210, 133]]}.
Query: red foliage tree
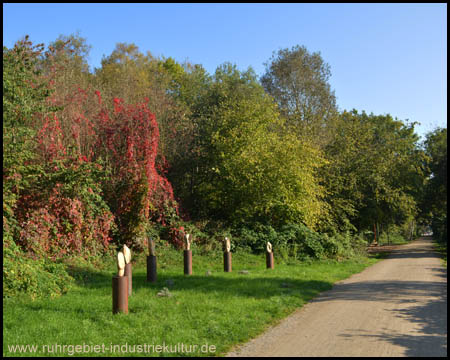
{"points": [[128, 138]]}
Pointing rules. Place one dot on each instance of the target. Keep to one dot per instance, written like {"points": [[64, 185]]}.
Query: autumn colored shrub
{"points": [[63, 213], [176, 236], [124, 137], [24, 94], [137, 191], [124, 140], [65, 227]]}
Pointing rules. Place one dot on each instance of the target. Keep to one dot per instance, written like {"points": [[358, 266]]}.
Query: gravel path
{"points": [[397, 307]]}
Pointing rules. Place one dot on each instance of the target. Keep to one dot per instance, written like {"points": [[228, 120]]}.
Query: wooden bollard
{"points": [[151, 268], [269, 260], [269, 256], [226, 254], [128, 269], [120, 294], [187, 262], [120, 287], [227, 261], [151, 261], [187, 255], [129, 275]]}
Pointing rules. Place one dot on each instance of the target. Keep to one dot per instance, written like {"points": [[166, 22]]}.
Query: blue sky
{"points": [[384, 58]]}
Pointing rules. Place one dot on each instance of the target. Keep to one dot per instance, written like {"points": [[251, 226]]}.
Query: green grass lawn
{"points": [[441, 248], [221, 310]]}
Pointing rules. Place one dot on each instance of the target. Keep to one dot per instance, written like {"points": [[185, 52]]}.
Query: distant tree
{"points": [[70, 50], [125, 74], [434, 205], [375, 172], [298, 81], [134, 77], [65, 66], [186, 84]]}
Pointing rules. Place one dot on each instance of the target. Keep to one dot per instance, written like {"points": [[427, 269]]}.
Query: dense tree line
{"points": [[433, 203], [149, 146]]}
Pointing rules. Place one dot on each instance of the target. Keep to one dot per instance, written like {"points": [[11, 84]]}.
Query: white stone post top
{"points": [[227, 244], [151, 247], [126, 254], [120, 263], [187, 241]]}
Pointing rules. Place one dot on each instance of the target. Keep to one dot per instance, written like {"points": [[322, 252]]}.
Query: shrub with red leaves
{"points": [[137, 192], [122, 141]]}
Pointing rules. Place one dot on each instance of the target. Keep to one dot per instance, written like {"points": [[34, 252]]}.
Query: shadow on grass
{"points": [[255, 284], [258, 285], [88, 277], [243, 285], [379, 255], [184, 288], [223, 284]]}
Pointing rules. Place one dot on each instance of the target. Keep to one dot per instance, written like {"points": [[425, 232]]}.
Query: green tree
{"points": [[24, 94], [298, 81], [132, 76], [70, 52], [124, 73], [248, 168], [186, 85], [434, 204], [374, 174], [65, 66]]}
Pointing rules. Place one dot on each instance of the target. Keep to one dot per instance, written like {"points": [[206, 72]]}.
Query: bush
{"points": [[338, 245], [34, 278], [62, 211], [308, 243], [332, 247], [298, 242], [439, 226], [256, 237], [294, 240], [393, 237]]}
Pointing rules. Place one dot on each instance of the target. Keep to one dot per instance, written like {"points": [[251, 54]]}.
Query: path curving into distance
{"points": [[397, 307]]}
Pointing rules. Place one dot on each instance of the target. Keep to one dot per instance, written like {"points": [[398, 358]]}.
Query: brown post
{"points": [[120, 294], [187, 262], [151, 268], [375, 233], [129, 275], [269, 260], [227, 261]]}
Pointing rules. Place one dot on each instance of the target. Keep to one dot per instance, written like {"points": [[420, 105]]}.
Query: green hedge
{"points": [[298, 241]]}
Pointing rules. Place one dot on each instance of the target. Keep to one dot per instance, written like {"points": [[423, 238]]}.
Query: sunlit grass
{"points": [[441, 248], [221, 309]]}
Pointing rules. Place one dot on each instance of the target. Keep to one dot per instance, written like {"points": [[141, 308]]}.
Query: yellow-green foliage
{"points": [[32, 277], [255, 168]]}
